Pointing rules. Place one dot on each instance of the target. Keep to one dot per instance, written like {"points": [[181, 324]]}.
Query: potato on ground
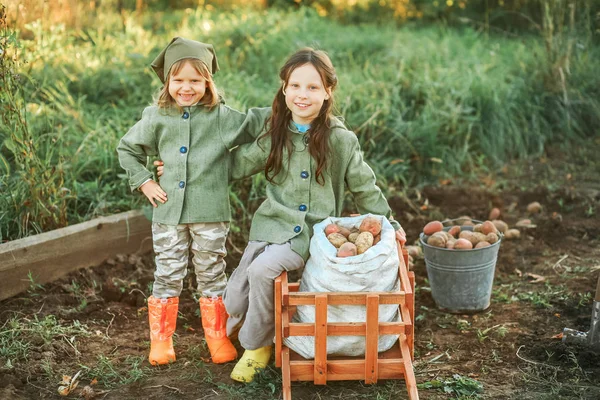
{"points": [[331, 228], [534, 208], [512, 234], [500, 225], [433, 227], [364, 241], [337, 239], [370, 224], [494, 214], [347, 250]]}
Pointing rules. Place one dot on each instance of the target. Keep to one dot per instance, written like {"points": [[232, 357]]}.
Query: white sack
{"points": [[376, 270]]}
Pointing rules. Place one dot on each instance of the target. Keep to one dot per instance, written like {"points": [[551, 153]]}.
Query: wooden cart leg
{"points": [[285, 374], [278, 327], [411, 309], [409, 374]]}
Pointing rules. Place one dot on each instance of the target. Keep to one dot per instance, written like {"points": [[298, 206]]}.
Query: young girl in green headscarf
{"points": [[193, 132]]}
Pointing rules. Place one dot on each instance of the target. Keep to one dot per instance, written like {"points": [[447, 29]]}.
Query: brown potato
{"points": [[512, 234], [347, 250], [450, 243], [478, 237], [477, 228], [534, 208], [414, 251], [344, 231], [488, 227], [482, 244], [454, 231], [462, 220], [370, 224], [364, 241], [376, 239], [494, 214], [352, 237], [463, 244], [491, 237], [437, 240], [523, 223], [433, 227], [331, 228], [337, 239], [468, 223], [500, 225]]}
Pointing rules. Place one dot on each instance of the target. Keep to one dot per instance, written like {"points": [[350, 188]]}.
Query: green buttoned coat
{"points": [[195, 146], [295, 202]]}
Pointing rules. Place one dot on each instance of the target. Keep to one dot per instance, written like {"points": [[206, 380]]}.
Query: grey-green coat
{"points": [[280, 218], [196, 153]]}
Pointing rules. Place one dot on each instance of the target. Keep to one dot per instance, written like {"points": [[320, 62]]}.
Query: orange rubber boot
{"points": [[162, 315], [214, 320]]}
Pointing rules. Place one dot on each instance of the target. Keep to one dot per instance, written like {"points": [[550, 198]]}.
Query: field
{"points": [[453, 119], [95, 320]]}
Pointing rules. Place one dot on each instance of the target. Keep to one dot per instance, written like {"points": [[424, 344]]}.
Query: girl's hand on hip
{"points": [[160, 166], [153, 191]]}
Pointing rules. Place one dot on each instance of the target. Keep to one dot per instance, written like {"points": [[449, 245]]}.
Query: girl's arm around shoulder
{"points": [[137, 144], [361, 181], [250, 158], [237, 128]]}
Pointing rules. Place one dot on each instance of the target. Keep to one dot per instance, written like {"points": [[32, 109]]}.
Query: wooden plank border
{"points": [[51, 255]]}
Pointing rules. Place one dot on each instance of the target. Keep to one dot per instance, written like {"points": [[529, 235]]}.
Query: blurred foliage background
{"points": [[433, 89]]}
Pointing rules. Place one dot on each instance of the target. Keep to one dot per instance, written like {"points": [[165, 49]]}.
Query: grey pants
{"points": [[172, 245], [249, 292]]}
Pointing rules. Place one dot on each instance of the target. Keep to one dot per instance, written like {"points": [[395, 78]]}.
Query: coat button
{"points": [[183, 149], [302, 207], [297, 229], [185, 115], [304, 174], [181, 184]]}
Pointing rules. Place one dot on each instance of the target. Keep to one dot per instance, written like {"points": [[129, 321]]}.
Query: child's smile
{"points": [[305, 94], [187, 86]]}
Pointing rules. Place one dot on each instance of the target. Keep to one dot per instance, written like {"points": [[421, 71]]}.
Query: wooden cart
{"points": [[395, 363]]}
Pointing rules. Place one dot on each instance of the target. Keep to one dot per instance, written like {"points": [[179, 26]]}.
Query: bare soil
{"points": [[95, 320]]}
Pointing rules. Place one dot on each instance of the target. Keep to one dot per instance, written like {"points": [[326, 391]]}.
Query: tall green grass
{"points": [[425, 102]]}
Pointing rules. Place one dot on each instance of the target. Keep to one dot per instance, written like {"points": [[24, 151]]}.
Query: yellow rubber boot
{"points": [[162, 316], [250, 363], [214, 321]]}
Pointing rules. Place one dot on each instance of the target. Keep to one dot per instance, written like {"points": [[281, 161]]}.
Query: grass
{"points": [[17, 335], [426, 102]]}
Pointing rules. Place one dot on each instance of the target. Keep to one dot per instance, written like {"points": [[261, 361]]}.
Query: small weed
{"points": [[113, 373], [34, 287], [500, 331], [460, 386], [265, 385]]}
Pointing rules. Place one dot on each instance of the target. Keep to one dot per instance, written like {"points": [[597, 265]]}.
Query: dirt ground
{"points": [[95, 321]]}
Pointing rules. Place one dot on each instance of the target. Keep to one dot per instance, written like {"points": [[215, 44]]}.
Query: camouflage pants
{"points": [[172, 244], [249, 294]]}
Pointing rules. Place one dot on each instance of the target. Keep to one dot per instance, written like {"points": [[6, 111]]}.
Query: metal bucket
{"points": [[461, 280]]}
